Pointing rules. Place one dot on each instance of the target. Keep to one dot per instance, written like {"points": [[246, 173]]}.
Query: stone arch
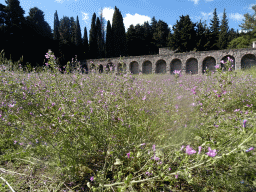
{"points": [[134, 67], [210, 63], [147, 67], [175, 65], [160, 66], [248, 61], [225, 59], [121, 67], [192, 66], [100, 68], [109, 66]]}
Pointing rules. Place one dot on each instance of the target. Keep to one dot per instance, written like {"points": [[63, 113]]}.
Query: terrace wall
{"points": [[167, 61]]}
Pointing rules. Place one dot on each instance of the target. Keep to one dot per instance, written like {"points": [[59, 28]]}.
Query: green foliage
{"points": [[183, 38], [238, 43], [108, 132]]}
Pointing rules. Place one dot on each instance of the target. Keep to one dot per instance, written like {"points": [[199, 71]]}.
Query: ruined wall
{"points": [[167, 61]]}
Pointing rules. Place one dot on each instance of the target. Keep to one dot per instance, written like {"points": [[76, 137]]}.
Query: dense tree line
{"points": [[31, 37]]}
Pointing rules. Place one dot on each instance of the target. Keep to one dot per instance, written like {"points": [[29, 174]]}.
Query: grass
{"points": [[106, 132]]}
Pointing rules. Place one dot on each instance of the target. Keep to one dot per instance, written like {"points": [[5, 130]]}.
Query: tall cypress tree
{"points": [[99, 38], [78, 40], [119, 40], [109, 41], [214, 29], [93, 48], [56, 34], [223, 36], [103, 42], [85, 47]]}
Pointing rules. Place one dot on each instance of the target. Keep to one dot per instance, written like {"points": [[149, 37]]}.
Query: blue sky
{"points": [[138, 11]]}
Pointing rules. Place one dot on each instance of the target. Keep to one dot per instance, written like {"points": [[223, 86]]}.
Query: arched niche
{"points": [[192, 66], [134, 67], [175, 65], [225, 59], [248, 61], [110, 67], [121, 67], [147, 67], [161, 66], [209, 63]]}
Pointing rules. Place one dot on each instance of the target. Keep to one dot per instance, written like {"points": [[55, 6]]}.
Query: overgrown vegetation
{"points": [[105, 132]]}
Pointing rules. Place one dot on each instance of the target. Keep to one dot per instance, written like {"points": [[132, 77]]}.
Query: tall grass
{"points": [[105, 132]]}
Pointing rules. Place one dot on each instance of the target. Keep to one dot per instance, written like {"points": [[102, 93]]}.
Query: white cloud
{"points": [[85, 17], [236, 16], [135, 19], [208, 0], [205, 16], [108, 13], [195, 1]]}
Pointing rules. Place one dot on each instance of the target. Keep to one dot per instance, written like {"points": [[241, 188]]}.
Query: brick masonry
{"points": [[167, 61]]}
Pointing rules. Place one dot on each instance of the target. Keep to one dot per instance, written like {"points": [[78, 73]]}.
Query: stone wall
{"points": [[167, 61]]}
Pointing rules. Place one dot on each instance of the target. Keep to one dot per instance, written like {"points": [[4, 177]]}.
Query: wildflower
{"points": [[169, 169], [15, 142], [244, 123], [91, 178], [156, 158], [176, 176], [154, 147], [249, 149], [237, 110], [217, 66], [189, 150], [144, 98], [182, 147], [199, 149], [211, 153], [143, 144], [128, 155]]}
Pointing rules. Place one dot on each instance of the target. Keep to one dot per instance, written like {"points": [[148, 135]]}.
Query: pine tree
{"points": [[223, 36], [214, 29], [14, 19], [131, 41], [161, 34], [118, 31], [183, 38], [109, 41], [153, 44], [148, 38], [201, 40], [249, 21]]}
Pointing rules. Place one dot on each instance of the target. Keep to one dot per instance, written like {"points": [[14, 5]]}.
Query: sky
{"points": [[138, 11]]}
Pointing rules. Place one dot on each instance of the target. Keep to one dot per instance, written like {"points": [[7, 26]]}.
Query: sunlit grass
{"points": [[92, 132]]}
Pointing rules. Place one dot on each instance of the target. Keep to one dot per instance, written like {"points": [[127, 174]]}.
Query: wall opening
{"points": [[110, 67], [121, 67], [225, 59], [175, 65], [248, 61], [134, 67], [209, 63], [101, 69], [160, 66], [147, 67], [192, 66]]}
